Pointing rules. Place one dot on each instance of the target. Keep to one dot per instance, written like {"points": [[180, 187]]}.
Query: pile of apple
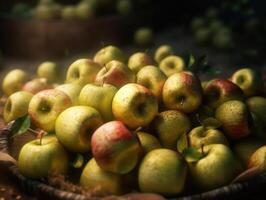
{"points": [[143, 121]]}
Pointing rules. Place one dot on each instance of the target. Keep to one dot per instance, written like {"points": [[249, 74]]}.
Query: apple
{"points": [[169, 126], [162, 171], [109, 53], [82, 71], [49, 70], [45, 106], [124, 7], [257, 105], [222, 40], [84, 11], [99, 97], [36, 85], [115, 148], [204, 84], [216, 168], [134, 105], [115, 73], [143, 36], [196, 23], [258, 127], [198, 116], [75, 125], [148, 142], [182, 91], [152, 78], [16, 105], [258, 159], [14, 81], [68, 13], [202, 35], [221, 90], [199, 136], [94, 177], [235, 118], [45, 12], [171, 65], [72, 90], [162, 52], [138, 60]]}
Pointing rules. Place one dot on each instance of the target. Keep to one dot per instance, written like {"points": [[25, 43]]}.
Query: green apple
{"points": [[99, 97], [197, 23], [148, 142], [45, 106], [75, 125], [162, 52], [93, 177], [124, 7], [72, 90], [222, 40], [16, 105], [39, 159], [138, 60], [162, 171], [258, 127], [202, 35], [84, 11], [14, 81], [49, 70], [257, 105], [36, 85], [82, 71], [45, 12], [109, 53], [258, 159], [143, 36], [134, 105], [69, 13], [171, 65]]}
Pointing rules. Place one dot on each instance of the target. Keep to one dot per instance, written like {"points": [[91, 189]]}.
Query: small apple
{"points": [[257, 105], [222, 40], [82, 71], [115, 148], [84, 11], [49, 70], [152, 78], [138, 60], [143, 36], [99, 97], [124, 7], [72, 90], [16, 105], [202, 35], [14, 81], [258, 159], [68, 13], [109, 53], [115, 73], [162, 171], [134, 105], [235, 118], [36, 85], [45, 106], [171, 65], [162, 52], [148, 142], [75, 125], [182, 91]]}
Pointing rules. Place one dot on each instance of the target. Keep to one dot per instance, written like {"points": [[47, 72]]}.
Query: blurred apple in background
{"points": [[143, 36], [138, 60], [124, 7], [171, 65], [69, 13], [84, 11], [50, 71]]}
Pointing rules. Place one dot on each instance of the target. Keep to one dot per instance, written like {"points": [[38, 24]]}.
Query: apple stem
{"points": [[103, 80], [202, 149], [41, 134], [138, 129]]}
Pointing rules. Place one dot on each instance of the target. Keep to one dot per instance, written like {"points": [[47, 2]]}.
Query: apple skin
{"points": [[258, 127], [198, 116], [115, 148], [258, 159], [217, 168], [162, 52], [171, 65], [45, 106], [72, 90], [152, 78], [169, 126], [93, 176], [148, 142], [124, 7], [138, 60], [162, 171], [115, 73], [14, 81], [143, 36], [218, 91], [39, 160], [84, 11], [134, 105], [16, 105], [36, 85], [201, 136], [99, 97], [257, 105], [182, 91], [75, 125], [109, 53], [49, 70], [82, 71]]}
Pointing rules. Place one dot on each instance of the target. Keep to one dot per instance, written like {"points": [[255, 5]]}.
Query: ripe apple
{"points": [[152, 78], [235, 118], [257, 105], [115, 148], [162, 52], [14, 80], [171, 65], [75, 125], [124, 7], [148, 142], [49, 70], [45, 106], [68, 13], [134, 105], [162, 171], [72, 90], [115, 73], [16, 105], [82, 71], [99, 97], [138, 60], [36, 85], [169, 126], [258, 159], [201, 136], [84, 11], [107, 183], [39, 159], [248, 80], [109, 53], [221, 90], [143, 36], [182, 91]]}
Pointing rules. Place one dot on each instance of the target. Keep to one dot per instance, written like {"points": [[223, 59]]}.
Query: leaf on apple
{"points": [[192, 154], [211, 123], [20, 126], [78, 161], [182, 143]]}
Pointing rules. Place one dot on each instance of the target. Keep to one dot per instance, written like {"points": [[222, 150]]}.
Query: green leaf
{"points": [[191, 61], [211, 123], [182, 143], [78, 161], [203, 60], [192, 154], [20, 126]]}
